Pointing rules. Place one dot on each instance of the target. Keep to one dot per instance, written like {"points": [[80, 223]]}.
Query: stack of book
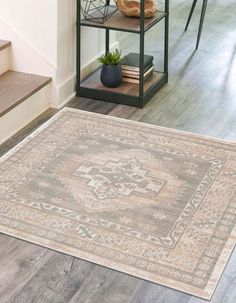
{"points": [[130, 67]]}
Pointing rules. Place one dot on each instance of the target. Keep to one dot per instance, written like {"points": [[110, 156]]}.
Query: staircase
{"points": [[23, 96]]}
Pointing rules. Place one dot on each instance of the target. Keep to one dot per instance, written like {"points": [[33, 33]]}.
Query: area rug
{"points": [[152, 202]]}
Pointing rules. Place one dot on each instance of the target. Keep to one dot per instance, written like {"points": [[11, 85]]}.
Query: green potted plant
{"points": [[111, 73]]}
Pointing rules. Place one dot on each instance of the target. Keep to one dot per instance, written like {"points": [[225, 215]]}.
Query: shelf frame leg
{"points": [[107, 34], [107, 40], [141, 52], [78, 46], [166, 41]]}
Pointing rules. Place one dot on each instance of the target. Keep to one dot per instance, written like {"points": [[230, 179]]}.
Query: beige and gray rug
{"points": [[152, 202]]}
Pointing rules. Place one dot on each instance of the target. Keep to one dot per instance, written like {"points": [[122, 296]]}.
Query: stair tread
{"points": [[15, 87], [4, 44]]}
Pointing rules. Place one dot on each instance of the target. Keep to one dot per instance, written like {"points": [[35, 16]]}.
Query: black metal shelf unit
{"points": [[127, 93]]}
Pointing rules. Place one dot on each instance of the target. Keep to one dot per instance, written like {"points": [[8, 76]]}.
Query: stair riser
{"points": [[24, 113], [4, 60]]}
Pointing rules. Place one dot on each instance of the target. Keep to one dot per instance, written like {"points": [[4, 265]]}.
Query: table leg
{"points": [[204, 6], [190, 14]]}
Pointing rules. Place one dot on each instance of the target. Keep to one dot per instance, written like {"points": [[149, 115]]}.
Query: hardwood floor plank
{"points": [[106, 286], [152, 293], [123, 111], [19, 262], [95, 106], [56, 281]]}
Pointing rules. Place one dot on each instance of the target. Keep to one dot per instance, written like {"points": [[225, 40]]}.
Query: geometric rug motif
{"points": [[152, 202]]}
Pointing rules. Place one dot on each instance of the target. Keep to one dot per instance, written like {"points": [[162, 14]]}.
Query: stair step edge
{"points": [[15, 80], [4, 44]]}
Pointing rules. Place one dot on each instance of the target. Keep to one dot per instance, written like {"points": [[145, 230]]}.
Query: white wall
{"points": [[36, 22], [43, 35], [22, 56], [92, 40]]}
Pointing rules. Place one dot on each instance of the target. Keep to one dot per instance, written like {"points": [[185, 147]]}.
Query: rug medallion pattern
{"points": [[152, 202]]}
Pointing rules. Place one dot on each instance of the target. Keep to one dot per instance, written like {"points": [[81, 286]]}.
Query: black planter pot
{"points": [[111, 75]]}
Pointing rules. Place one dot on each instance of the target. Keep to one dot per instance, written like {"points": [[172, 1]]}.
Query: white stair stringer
{"points": [[4, 59], [24, 113]]}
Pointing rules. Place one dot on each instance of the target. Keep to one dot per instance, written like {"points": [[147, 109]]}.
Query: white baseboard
{"points": [[65, 92], [24, 113], [4, 60], [62, 104]]}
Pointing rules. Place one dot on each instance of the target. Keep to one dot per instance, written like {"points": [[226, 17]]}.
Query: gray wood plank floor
{"points": [[200, 98]]}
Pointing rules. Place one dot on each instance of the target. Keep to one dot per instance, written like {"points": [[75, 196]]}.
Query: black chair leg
{"points": [[204, 6], [190, 14]]}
